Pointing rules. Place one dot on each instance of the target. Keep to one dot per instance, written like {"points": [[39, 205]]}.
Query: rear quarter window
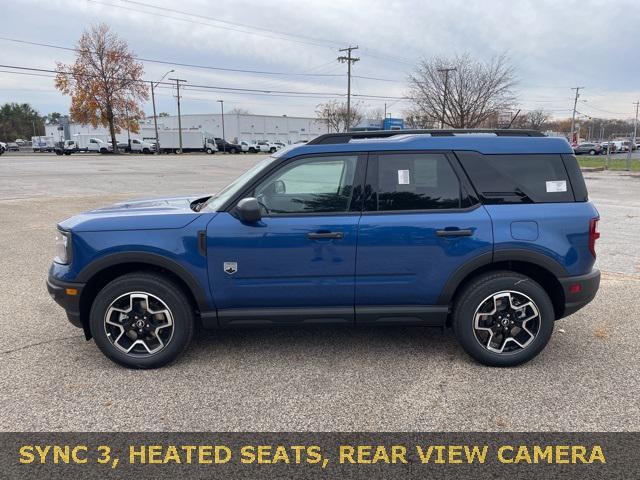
{"points": [[502, 179]]}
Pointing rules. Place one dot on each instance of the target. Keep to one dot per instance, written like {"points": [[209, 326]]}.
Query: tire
{"points": [[592, 152], [103, 150], [272, 150], [146, 151], [172, 320], [252, 150], [478, 297], [233, 151], [209, 151]]}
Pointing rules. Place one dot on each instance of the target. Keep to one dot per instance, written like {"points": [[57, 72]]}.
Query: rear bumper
{"points": [[63, 294], [579, 290]]}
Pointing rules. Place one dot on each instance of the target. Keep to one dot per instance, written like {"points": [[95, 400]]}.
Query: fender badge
{"points": [[230, 267]]}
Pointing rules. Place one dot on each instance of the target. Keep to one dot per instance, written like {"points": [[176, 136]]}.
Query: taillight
{"points": [[594, 234]]}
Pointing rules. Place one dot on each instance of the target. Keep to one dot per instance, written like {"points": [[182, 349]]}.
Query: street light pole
{"points": [[155, 117], [633, 140], [222, 111]]}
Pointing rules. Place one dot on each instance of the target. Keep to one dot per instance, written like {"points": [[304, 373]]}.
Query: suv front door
{"points": [[297, 264], [419, 225]]}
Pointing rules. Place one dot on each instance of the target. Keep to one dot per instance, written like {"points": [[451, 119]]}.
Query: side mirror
{"points": [[249, 210]]}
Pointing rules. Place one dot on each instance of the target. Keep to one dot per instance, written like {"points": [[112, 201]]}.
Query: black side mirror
{"points": [[249, 210]]}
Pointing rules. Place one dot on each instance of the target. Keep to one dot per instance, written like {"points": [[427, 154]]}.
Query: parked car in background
{"points": [[3, 147], [13, 147], [21, 142], [82, 143], [588, 148], [224, 146], [279, 145], [610, 146], [266, 147], [245, 147]]}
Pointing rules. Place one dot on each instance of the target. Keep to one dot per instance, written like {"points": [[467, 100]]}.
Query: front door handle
{"points": [[325, 235], [454, 233]]}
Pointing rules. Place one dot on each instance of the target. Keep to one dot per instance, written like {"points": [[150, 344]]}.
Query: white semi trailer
{"points": [[169, 142]]}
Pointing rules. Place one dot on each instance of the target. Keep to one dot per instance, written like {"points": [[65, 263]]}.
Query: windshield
{"points": [[216, 202]]}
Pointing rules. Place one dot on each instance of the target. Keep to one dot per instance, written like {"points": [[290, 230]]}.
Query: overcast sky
{"points": [[553, 45]]}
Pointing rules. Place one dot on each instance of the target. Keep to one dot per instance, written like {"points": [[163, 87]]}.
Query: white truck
{"points": [[169, 142], [86, 142], [43, 144]]}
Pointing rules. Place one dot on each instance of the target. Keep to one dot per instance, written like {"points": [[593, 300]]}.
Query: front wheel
{"points": [[592, 152], [233, 151], [503, 319], [209, 151], [142, 320]]}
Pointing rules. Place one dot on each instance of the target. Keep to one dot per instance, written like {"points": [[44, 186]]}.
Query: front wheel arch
{"points": [[102, 274]]}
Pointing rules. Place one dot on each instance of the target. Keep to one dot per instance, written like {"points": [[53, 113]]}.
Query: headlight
{"points": [[63, 247]]}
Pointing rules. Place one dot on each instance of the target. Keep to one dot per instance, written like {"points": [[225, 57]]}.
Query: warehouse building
{"points": [[237, 127]]}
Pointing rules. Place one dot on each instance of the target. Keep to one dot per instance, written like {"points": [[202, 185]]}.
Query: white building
{"points": [[236, 127]]}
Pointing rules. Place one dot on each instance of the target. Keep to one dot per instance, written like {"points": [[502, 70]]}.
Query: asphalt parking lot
{"points": [[311, 379]]}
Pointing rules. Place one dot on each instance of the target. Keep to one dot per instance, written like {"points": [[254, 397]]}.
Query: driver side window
{"points": [[309, 185]]}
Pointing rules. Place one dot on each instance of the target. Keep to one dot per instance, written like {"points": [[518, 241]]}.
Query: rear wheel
{"points": [[592, 152], [503, 319], [233, 151], [142, 320]]}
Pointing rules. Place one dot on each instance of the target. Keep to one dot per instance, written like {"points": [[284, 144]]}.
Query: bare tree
{"points": [[535, 119], [475, 90], [105, 82], [416, 119], [239, 111], [334, 114]]}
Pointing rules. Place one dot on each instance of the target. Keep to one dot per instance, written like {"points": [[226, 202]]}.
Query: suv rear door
{"points": [[420, 224]]}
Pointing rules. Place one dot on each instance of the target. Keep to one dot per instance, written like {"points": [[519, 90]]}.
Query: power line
{"points": [[214, 87], [243, 28], [180, 64]]}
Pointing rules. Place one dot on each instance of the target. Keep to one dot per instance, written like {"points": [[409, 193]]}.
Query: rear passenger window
{"points": [[518, 178], [412, 182]]}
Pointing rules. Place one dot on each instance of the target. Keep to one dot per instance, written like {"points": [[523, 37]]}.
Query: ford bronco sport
{"points": [[488, 232]]}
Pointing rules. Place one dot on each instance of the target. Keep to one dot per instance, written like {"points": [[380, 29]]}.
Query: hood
{"points": [[145, 214]]}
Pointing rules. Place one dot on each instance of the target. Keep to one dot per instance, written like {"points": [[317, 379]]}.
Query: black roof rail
{"points": [[329, 138]]}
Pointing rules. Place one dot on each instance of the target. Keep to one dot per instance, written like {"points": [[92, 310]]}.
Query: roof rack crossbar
{"points": [[329, 138]]}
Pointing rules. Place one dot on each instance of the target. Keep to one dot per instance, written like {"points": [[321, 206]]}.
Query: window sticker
{"points": [[556, 186], [403, 177]]}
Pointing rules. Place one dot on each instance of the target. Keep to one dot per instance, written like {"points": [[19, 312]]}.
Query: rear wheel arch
{"points": [[546, 278]]}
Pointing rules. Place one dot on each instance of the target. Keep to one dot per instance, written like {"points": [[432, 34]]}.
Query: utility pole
{"points": [[222, 111], [633, 140], [155, 117], [178, 80], [446, 85], [349, 59], [575, 105]]}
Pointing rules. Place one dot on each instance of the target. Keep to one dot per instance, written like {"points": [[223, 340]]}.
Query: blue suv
{"points": [[488, 232]]}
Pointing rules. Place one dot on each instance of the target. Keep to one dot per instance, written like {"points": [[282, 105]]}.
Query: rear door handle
{"points": [[325, 235], [454, 233]]}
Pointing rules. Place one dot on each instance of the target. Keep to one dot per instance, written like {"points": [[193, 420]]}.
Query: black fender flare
{"points": [[154, 259], [498, 256]]}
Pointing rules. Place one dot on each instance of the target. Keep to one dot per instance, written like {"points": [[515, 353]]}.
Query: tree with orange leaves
{"points": [[105, 82]]}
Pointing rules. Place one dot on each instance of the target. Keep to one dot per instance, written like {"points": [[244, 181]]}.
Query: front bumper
{"points": [[579, 290], [67, 295]]}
